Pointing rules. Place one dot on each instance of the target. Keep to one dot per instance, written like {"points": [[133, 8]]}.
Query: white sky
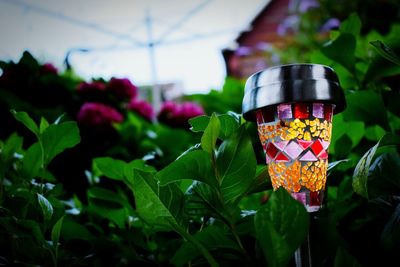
{"points": [[116, 33]]}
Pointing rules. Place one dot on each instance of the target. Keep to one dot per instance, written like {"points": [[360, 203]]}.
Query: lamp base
{"points": [[312, 201]]}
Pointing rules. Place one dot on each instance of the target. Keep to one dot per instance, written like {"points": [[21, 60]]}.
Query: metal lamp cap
{"points": [[292, 83]]}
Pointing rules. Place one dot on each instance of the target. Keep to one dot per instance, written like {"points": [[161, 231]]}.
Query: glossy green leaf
{"points": [[57, 138], [210, 134], [195, 165], [384, 175], [281, 227], [229, 124], [212, 237], [55, 232], [342, 50], [360, 175], [45, 205], [157, 205], [112, 168], [351, 25], [43, 125], [386, 52], [202, 200], [27, 121], [236, 164], [32, 161]]}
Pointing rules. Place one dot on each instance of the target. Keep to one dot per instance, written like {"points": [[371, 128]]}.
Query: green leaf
{"points": [[202, 200], [342, 50], [46, 207], [12, 145], [236, 165], [212, 237], [55, 232], [108, 204], [105, 198], [360, 175], [332, 165], [57, 138], [32, 161], [384, 175], [386, 52], [27, 121], [158, 206], [365, 106], [210, 134], [43, 125], [195, 165], [229, 124], [374, 133], [112, 168], [351, 25], [74, 230], [281, 227]]}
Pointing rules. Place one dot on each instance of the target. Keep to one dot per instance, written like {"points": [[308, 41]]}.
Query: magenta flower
{"points": [[48, 68], [177, 115], [122, 88], [97, 114], [91, 87], [142, 107]]}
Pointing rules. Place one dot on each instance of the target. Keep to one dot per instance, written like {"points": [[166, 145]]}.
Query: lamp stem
{"points": [[304, 254]]}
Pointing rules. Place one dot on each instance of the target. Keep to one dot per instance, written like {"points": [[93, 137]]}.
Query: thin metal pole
{"points": [[156, 97]]}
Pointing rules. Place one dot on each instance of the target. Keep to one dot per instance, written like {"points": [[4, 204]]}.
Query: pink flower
{"points": [[177, 115], [97, 114], [48, 68], [142, 107], [122, 88], [91, 87]]}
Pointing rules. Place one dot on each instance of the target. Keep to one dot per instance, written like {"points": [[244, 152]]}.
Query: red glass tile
{"points": [[272, 150], [304, 144], [323, 155], [317, 147], [301, 111], [328, 110], [316, 198], [281, 158], [259, 117], [266, 115]]}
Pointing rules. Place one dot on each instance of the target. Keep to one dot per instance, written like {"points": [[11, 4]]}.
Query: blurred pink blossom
{"points": [[98, 114], [177, 115], [142, 107], [91, 87], [48, 68], [122, 88]]}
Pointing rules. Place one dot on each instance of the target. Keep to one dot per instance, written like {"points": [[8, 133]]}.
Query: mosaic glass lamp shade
{"points": [[293, 106]]}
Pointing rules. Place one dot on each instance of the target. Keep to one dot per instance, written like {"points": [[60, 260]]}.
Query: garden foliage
{"points": [[138, 192]]}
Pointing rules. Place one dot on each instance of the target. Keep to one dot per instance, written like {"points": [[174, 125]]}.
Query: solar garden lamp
{"points": [[293, 106]]}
